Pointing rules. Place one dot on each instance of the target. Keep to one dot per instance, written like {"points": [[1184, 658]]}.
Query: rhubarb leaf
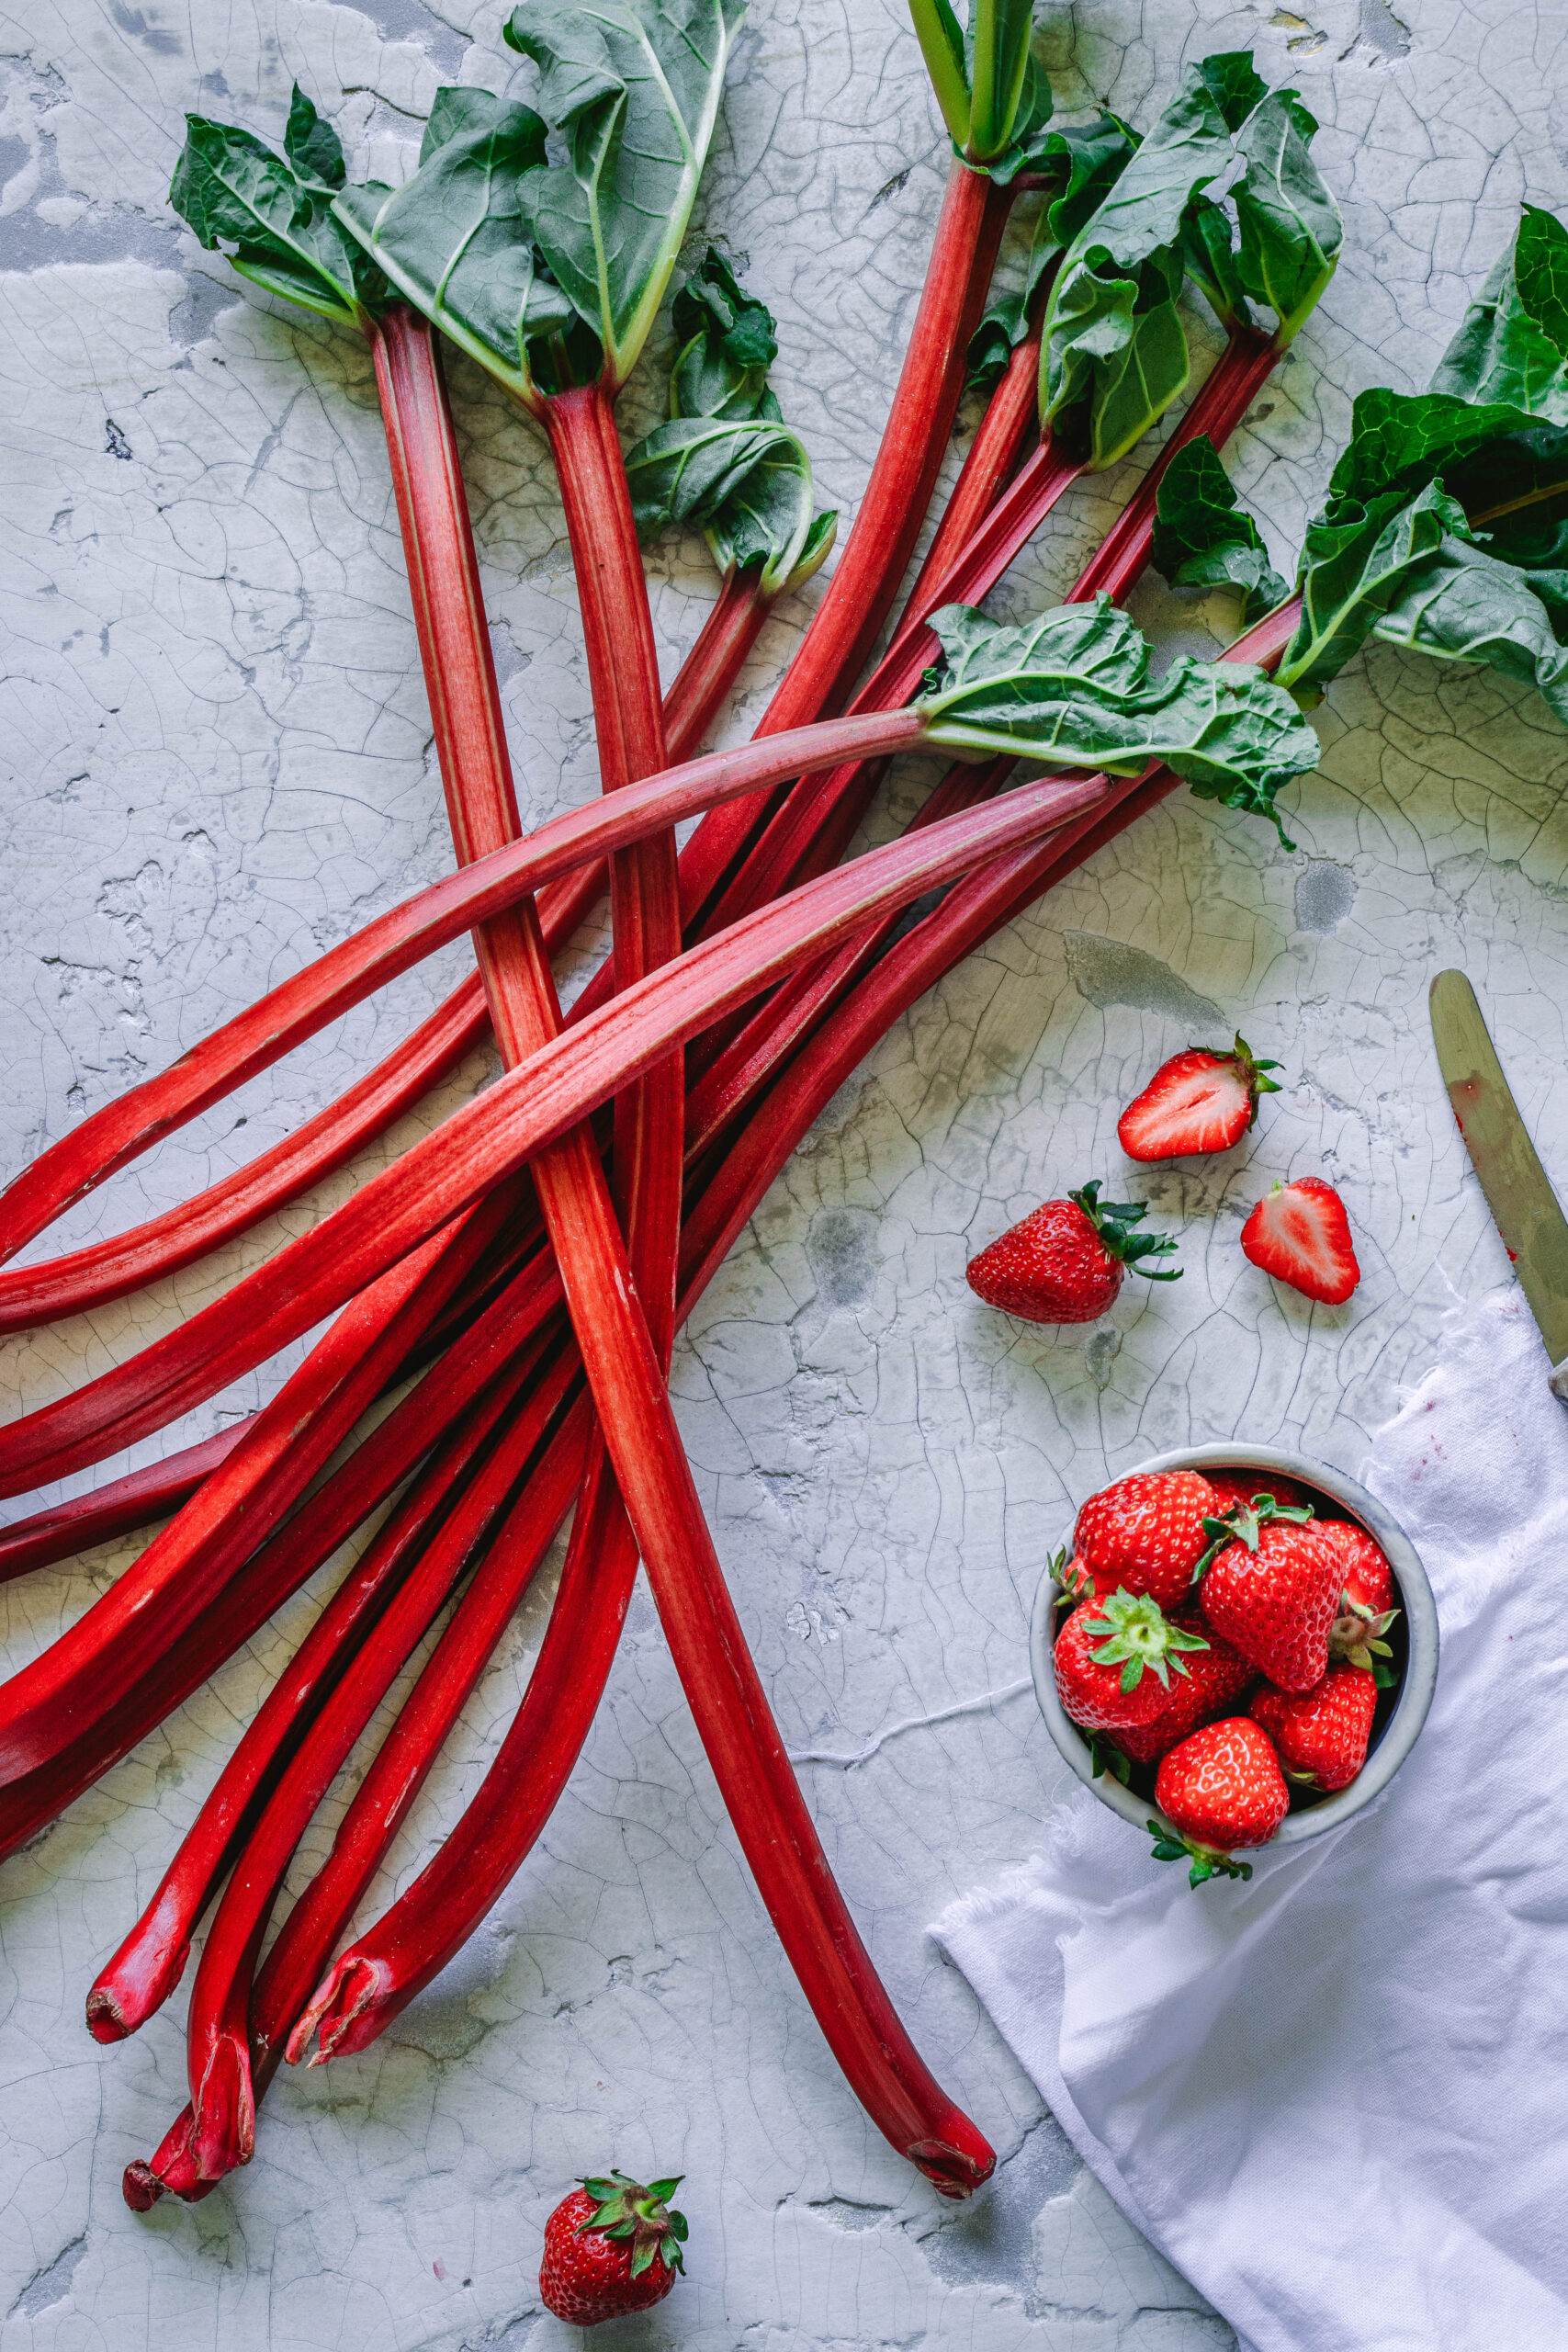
{"points": [[634, 87], [455, 238], [550, 274], [1073, 688], [1289, 227], [1084, 161], [1114, 353], [993, 98], [1513, 345], [275, 212], [726, 463], [1406, 544], [1204, 539]]}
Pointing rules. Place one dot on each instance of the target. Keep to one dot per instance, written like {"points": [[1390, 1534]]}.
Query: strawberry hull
{"points": [[1121, 1764]]}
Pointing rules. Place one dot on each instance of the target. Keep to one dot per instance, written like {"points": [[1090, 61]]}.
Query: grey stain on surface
{"points": [[1107, 972], [1325, 892], [842, 1250], [51, 2284]]}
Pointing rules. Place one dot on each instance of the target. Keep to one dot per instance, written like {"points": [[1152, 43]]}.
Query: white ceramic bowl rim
{"points": [[1399, 1734]]}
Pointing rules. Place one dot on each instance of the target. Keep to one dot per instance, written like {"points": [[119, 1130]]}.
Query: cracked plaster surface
{"points": [[221, 764]]}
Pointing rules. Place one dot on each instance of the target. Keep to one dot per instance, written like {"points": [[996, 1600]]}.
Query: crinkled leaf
{"points": [[1394, 501], [229, 188], [1291, 229], [311, 145], [1233, 83], [1072, 688], [456, 238], [634, 87], [1086, 160], [1114, 354], [726, 462], [1513, 343], [1204, 539], [1463, 604]]}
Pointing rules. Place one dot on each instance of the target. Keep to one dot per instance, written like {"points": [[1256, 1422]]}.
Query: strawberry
{"points": [[1146, 1534], [1196, 1101], [611, 2246], [1322, 1734], [1215, 1678], [1366, 1602], [1272, 1590], [1101, 1655], [1065, 1263], [1301, 1234], [1240, 1486], [1222, 1787]]}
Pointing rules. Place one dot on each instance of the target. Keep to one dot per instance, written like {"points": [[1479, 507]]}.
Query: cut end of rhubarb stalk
{"points": [[225, 2132], [105, 2022], [954, 2171], [141, 2187], [344, 2014]]}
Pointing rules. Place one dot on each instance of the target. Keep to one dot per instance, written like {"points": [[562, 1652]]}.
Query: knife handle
{"points": [[1558, 1383]]}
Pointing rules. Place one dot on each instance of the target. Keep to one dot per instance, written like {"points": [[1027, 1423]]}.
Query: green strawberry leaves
{"points": [[624, 2209], [1204, 539], [275, 212], [1205, 1862], [726, 463], [1072, 687], [1114, 353], [1138, 1634], [1113, 1222], [1433, 535], [1241, 1524], [550, 273]]}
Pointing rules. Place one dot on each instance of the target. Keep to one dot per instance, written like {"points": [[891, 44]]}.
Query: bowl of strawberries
{"points": [[1238, 1649]]}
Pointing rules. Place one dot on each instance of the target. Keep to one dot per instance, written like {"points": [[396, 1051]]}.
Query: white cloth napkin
{"points": [[1337, 2098]]}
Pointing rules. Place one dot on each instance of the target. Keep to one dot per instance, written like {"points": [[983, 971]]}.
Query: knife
{"points": [[1534, 1229]]}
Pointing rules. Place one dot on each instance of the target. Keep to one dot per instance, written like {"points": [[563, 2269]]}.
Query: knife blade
{"points": [[1529, 1217]]}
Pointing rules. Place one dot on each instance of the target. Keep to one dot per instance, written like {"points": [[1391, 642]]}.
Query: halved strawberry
{"points": [[1301, 1234], [1197, 1100]]}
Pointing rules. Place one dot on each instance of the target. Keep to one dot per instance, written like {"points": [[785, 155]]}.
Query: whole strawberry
{"points": [[1066, 1261], [1322, 1735], [1215, 1680], [1273, 1591], [1146, 1534], [1222, 1787], [1366, 1602], [1300, 1235], [611, 2246], [1114, 1659], [1200, 1100]]}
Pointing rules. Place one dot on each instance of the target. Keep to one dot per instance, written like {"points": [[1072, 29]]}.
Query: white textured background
{"points": [[221, 763]]}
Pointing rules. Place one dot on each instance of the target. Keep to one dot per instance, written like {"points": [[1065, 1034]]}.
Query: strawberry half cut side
{"points": [[1200, 1100], [1300, 1235]]}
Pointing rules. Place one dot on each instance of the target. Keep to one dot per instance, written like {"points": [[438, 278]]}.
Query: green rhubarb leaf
{"points": [[634, 87], [1072, 688], [1438, 532], [1204, 539], [1114, 353], [550, 274], [1083, 163], [456, 240], [274, 212], [726, 463], [1290, 228], [1513, 345]]}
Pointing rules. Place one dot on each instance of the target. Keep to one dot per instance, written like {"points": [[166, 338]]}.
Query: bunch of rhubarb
{"points": [[514, 1281]]}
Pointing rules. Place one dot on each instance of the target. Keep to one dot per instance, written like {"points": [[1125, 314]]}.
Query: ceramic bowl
{"points": [[1413, 1638]]}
